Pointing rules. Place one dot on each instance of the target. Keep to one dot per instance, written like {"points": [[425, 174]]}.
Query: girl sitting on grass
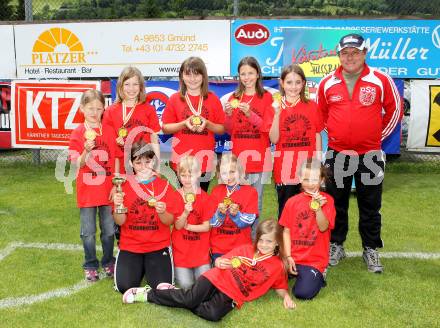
{"points": [[242, 275]]}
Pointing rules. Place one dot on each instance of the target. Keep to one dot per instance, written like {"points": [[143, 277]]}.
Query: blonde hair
{"points": [[189, 164], [127, 73], [193, 65], [227, 160], [293, 68], [91, 95]]}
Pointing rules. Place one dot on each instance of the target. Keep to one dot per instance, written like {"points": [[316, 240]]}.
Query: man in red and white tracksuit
{"points": [[360, 107]]}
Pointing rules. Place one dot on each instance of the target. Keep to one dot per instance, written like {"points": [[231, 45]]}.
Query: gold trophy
{"points": [[118, 181]]}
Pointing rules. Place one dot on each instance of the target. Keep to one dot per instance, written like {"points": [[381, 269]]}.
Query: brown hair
{"points": [[91, 95], [272, 226], [140, 150], [252, 62], [193, 65], [298, 70], [127, 73]]}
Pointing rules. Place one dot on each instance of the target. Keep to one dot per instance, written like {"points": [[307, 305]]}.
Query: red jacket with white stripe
{"points": [[361, 123]]}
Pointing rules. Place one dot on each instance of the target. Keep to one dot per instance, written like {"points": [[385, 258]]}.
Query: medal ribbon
{"points": [[229, 193], [191, 107], [284, 102], [311, 194], [88, 127], [125, 117], [247, 102], [151, 192], [255, 259]]}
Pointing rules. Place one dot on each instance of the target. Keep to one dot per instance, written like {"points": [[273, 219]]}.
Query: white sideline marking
{"points": [[27, 300], [63, 292]]}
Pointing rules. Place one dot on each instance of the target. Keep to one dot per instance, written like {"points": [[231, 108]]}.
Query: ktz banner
{"points": [[45, 113], [424, 124]]}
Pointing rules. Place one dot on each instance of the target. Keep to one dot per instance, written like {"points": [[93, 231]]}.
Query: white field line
{"points": [[62, 292]]}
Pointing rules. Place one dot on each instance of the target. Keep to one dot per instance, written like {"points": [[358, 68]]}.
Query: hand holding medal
{"points": [[276, 97], [233, 209]]}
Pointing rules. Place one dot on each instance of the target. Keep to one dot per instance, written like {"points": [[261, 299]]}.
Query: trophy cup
{"points": [[118, 181]]}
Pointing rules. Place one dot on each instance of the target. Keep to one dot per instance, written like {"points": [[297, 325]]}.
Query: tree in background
{"points": [[6, 10]]}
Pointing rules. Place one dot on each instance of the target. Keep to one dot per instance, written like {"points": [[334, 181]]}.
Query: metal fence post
{"points": [[36, 153], [28, 11], [235, 13]]}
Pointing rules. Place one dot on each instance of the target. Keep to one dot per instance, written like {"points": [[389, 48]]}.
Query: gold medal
{"points": [[122, 132], [227, 201], [152, 202], [277, 97], [235, 262], [315, 205], [190, 197], [90, 134], [196, 120], [234, 103]]}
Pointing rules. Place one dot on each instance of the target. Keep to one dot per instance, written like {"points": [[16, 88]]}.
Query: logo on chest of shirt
{"points": [[250, 277], [367, 95], [335, 98]]}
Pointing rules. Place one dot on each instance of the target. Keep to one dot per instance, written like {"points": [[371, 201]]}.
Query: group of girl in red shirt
{"points": [[206, 229]]}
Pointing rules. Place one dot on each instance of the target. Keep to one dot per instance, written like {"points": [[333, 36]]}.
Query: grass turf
{"points": [[35, 208]]}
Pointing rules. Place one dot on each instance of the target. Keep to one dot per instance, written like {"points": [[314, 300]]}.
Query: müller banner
{"points": [[401, 48], [45, 113]]}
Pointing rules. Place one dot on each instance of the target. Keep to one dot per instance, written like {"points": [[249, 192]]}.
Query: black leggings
{"points": [[202, 299], [130, 268]]}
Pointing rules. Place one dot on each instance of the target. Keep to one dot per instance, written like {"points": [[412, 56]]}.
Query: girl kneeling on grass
{"points": [[145, 227], [190, 235], [92, 148], [242, 275], [307, 219]]}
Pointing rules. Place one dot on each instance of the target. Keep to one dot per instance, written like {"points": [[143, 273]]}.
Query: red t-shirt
{"points": [[191, 249], [251, 142], [144, 116], [309, 246], [297, 142], [186, 142], [247, 283], [228, 236], [94, 180], [142, 231]]}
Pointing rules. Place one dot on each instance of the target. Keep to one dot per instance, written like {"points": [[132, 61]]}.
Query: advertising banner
{"points": [[424, 123], [158, 93], [5, 108], [45, 113], [157, 48], [401, 48], [7, 55]]}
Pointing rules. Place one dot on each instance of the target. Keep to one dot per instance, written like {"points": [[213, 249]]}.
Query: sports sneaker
{"points": [[109, 270], [137, 294], [91, 275], [337, 253], [371, 258], [165, 285]]}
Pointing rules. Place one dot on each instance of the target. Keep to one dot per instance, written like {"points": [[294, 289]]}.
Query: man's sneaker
{"points": [[137, 294], [337, 253], [109, 270], [91, 275], [165, 285], [371, 258]]}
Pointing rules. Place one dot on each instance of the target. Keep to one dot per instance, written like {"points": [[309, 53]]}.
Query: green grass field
{"points": [[34, 208]]}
